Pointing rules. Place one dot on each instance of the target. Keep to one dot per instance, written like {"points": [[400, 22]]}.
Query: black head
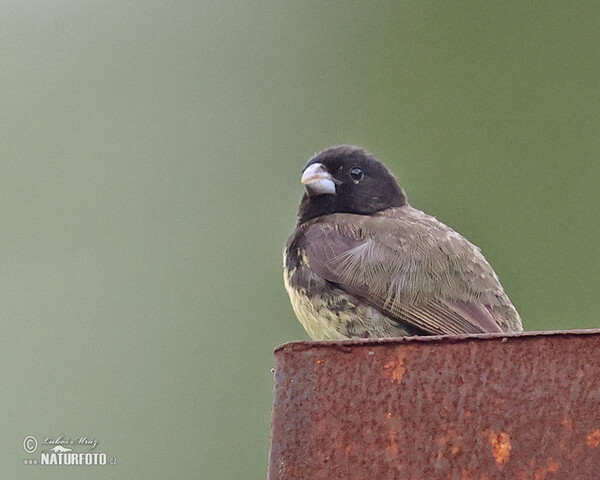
{"points": [[347, 179]]}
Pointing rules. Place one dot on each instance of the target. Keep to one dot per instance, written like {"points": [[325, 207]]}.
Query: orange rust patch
{"points": [[449, 443], [392, 448], [394, 368], [541, 473], [593, 438], [500, 444]]}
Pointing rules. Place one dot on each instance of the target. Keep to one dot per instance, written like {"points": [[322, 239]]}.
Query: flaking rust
{"points": [[522, 406]]}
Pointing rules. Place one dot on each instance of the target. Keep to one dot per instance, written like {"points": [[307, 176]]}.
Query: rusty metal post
{"points": [[524, 406]]}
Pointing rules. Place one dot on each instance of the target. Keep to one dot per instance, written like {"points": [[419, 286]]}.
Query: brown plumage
{"points": [[363, 263]]}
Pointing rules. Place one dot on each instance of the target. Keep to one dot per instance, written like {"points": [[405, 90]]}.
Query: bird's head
{"points": [[347, 179]]}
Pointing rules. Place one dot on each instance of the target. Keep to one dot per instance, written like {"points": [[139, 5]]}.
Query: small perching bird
{"points": [[363, 263]]}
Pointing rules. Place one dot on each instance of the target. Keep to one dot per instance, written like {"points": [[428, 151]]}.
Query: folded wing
{"points": [[413, 269]]}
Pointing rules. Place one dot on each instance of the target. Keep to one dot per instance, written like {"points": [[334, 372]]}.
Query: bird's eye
{"points": [[356, 174]]}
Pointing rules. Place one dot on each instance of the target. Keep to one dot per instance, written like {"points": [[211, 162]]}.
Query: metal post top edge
{"points": [[299, 346]]}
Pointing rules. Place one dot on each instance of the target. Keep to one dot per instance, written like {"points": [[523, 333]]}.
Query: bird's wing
{"points": [[412, 268]]}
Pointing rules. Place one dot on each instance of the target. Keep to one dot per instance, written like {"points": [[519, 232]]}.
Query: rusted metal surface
{"points": [[524, 406]]}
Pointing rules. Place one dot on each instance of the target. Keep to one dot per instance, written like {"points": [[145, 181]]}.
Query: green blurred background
{"points": [[151, 154]]}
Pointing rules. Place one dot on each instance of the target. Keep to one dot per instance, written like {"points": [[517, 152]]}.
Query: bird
{"points": [[363, 263]]}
